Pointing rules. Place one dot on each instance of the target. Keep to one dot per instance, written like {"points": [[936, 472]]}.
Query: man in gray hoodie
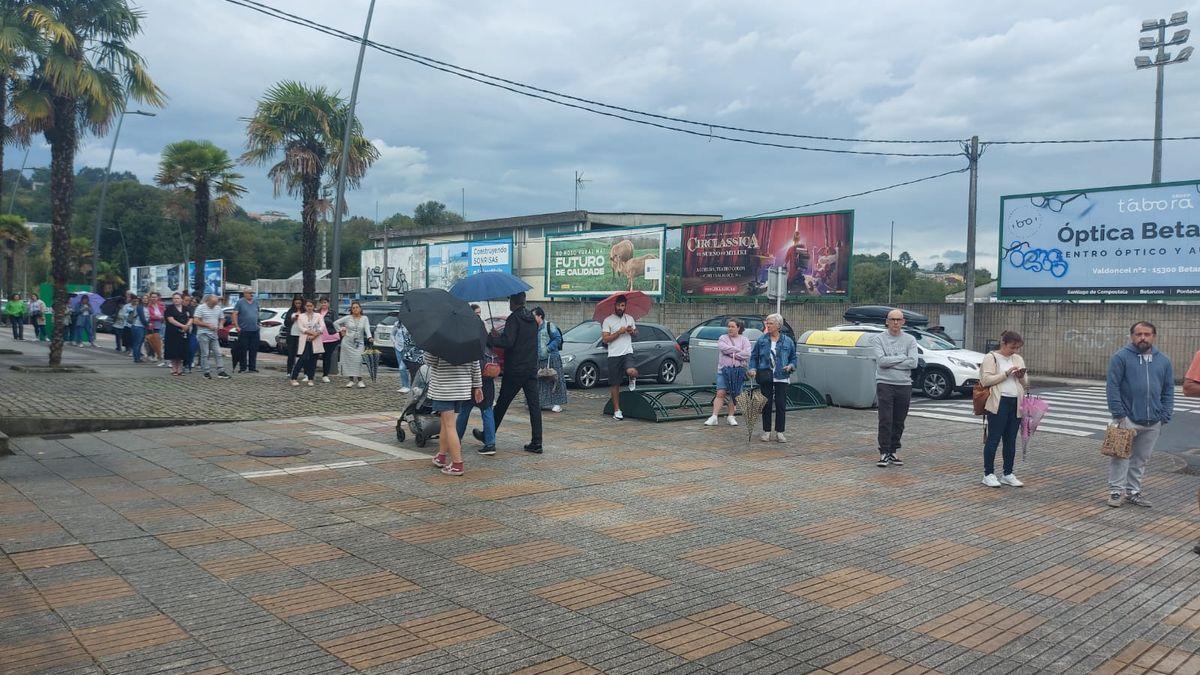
{"points": [[895, 358], [1141, 396]]}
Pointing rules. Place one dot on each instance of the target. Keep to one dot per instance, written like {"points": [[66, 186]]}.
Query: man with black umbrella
{"points": [[519, 341]]}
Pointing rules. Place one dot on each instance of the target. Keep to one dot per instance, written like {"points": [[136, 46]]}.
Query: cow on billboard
{"points": [[604, 262]]}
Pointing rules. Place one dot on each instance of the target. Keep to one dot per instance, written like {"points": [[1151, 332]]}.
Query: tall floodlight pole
{"points": [[104, 193], [383, 286], [972, 202], [891, 260], [1161, 59], [340, 205]]}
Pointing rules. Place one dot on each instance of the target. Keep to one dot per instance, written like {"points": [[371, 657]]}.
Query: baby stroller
{"points": [[418, 414]]}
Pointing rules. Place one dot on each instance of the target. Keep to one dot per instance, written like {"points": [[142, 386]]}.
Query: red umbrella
{"points": [[638, 305]]}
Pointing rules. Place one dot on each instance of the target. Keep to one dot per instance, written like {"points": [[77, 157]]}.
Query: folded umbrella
{"points": [[488, 286], [443, 325], [637, 305], [370, 359], [1033, 410]]}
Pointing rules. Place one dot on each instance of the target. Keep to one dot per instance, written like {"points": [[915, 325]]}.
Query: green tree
{"points": [[905, 258], [16, 237], [108, 277], [17, 42], [202, 171], [924, 290], [306, 125], [83, 73], [433, 214]]}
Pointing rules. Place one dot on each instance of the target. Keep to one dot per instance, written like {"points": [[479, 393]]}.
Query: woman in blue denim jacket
{"points": [[773, 353]]}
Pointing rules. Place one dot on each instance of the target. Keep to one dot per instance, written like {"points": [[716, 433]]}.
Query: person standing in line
{"points": [[135, 318], [119, 329], [292, 330], [451, 390], [179, 325], [1003, 373], [354, 333], [245, 316], [399, 339], [193, 343], [86, 328], [895, 359], [15, 310], [208, 319], [1141, 396], [486, 413], [519, 342], [154, 329], [37, 317], [552, 394], [330, 339], [309, 325], [733, 354], [1191, 388], [617, 332], [775, 353]]}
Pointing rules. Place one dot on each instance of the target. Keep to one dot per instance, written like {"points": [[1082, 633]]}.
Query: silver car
{"points": [[656, 355]]}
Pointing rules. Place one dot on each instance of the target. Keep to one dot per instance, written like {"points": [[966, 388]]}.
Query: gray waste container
{"points": [[703, 354], [840, 365]]}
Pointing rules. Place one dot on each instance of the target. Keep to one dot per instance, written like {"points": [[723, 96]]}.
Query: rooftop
{"points": [[614, 219]]}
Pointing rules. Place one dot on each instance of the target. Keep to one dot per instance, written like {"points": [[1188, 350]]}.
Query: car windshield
{"points": [[932, 342], [387, 321], [586, 333], [711, 332]]}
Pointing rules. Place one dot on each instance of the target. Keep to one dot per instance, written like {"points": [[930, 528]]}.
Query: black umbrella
{"points": [[443, 325]]}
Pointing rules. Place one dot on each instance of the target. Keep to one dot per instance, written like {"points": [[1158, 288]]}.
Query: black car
{"points": [[755, 322]]}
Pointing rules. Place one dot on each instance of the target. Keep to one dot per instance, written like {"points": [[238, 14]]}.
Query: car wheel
{"points": [[936, 384], [587, 375], [668, 370]]}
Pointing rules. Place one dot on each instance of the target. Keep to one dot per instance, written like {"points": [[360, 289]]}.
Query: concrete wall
{"points": [[1066, 340]]}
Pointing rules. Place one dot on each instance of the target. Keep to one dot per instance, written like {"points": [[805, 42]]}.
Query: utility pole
{"points": [[1161, 60], [891, 260], [464, 204], [384, 285], [969, 291], [339, 205], [12, 201]]}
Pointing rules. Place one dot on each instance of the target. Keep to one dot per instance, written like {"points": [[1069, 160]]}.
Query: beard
{"points": [[1143, 347], [619, 312]]}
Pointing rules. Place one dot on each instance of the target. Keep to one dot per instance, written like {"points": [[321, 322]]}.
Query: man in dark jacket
{"points": [[519, 341]]}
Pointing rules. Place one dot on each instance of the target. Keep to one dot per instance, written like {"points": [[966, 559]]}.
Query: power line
{"points": [[859, 194], [1090, 140]]}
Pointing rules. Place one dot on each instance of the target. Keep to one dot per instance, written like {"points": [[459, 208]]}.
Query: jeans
{"points": [[18, 327], [1003, 425], [83, 331], [509, 387], [776, 395], [489, 423], [307, 360], [1126, 474], [405, 379], [39, 331], [248, 343], [193, 346], [893, 410], [210, 352], [139, 338]]}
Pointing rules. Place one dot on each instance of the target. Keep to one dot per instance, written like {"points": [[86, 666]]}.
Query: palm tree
{"points": [[108, 275], [16, 237], [306, 125], [83, 72], [79, 257], [17, 40], [201, 169]]}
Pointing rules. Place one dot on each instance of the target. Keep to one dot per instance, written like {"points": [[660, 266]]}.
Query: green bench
{"points": [[671, 403]]}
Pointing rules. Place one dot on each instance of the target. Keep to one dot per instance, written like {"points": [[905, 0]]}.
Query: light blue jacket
{"points": [[1141, 386], [785, 355]]}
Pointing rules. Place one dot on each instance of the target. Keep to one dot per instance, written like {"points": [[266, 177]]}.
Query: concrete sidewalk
{"points": [[627, 548]]}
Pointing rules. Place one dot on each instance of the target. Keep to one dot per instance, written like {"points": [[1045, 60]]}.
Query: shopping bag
{"points": [[1118, 442]]}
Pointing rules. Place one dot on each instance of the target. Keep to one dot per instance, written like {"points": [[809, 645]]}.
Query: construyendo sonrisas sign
{"points": [[602, 263], [451, 262], [1129, 242]]}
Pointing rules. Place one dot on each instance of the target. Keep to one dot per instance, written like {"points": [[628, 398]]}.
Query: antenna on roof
{"points": [[579, 181]]}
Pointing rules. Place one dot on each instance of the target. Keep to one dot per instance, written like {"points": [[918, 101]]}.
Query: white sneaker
{"points": [[765, 437], [711, 422], [325, 379], [162, 363], [362, 385], [310, 383], [633, 385], [990, 480], [304, 378], [618, 416], [403, 390], [557, 408], [732, 421], [350, 384], [780, 437], [1010, 479]]}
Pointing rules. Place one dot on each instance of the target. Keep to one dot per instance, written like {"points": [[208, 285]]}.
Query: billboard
{"points": [[734, 257], [176, 278], [405, 269], [451, 262], [605, 262], [1129, 242], [214, 277]]}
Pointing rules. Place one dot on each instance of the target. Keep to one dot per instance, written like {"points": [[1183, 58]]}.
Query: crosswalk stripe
{"points": [[971, 420], [1103, 400], [1098, 421]]}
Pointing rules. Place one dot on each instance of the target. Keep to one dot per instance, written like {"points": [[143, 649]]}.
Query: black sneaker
{"points": [[477, 434], [884, 460], [253, 370], [895, 460], [208, 376], [487, 450], [535, 448], [222, 375], [241, 370]]}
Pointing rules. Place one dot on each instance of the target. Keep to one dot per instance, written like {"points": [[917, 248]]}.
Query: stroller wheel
{"points": [[421, 440], [399, 431]]}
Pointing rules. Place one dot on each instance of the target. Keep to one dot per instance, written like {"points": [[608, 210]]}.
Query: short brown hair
{"points": [[1009, 337]]}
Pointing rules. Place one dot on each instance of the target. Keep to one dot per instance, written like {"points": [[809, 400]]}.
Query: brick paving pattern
{"points": [[626, 548]]}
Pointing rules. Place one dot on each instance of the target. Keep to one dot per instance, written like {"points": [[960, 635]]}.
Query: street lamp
{"points": [[104, 193], [1161, 59]]}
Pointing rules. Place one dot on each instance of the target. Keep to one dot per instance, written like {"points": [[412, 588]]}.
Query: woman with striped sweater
{"points": [[451, 389]]}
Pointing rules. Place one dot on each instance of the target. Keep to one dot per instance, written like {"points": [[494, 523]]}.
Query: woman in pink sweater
{"points": [[734, 351]]}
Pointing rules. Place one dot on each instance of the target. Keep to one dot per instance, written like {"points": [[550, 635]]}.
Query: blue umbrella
{"points": [[93, 299], [488, 286]]}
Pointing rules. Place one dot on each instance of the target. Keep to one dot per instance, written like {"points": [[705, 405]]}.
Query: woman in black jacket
{"points": [[289, 329]]}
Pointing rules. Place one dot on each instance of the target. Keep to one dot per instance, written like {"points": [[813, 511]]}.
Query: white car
{"points": [[270, 321], [944, 369]]}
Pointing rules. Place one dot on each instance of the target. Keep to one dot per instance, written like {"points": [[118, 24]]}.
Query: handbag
{"points": [[547, 373], [1118, 441], [979, 397]]}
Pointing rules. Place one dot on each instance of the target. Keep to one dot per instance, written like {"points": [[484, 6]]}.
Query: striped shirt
{"points": [[448, 382]]}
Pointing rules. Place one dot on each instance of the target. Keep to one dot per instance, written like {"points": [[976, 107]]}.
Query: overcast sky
{"points": [[1015, 70]]}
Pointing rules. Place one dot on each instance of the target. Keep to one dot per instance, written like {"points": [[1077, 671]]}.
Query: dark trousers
{"points": [[119, 334], [893, 410], [18, 327], [248, 343], [237, 354], [776, 395], [193, 346], [307, 361], [327, 357], [1002, 426], [509, 386], [293, 342]]}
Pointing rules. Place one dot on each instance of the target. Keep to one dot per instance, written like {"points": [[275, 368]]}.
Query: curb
{"points": [[40, 426]]}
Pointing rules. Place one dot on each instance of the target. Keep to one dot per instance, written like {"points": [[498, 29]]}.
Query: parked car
{"points": [[227, 333], [104, 323], [383, 339], [755, 322], [270, 321], [656, 355], [944, 368]]}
